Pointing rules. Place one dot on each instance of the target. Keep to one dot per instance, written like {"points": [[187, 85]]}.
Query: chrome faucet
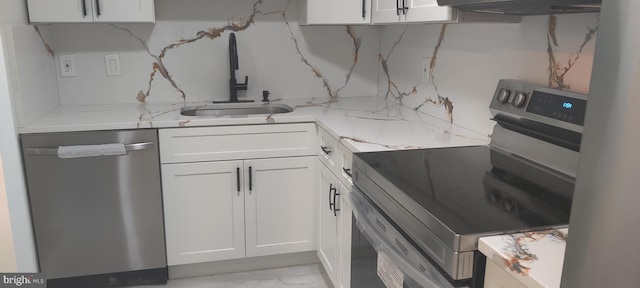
{"points": [[234, 86]]}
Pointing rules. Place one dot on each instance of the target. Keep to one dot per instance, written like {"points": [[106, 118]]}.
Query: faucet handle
{"points": [[243, 86]]}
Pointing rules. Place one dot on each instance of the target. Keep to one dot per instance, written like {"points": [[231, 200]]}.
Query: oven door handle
{"points": [[425, 275]]}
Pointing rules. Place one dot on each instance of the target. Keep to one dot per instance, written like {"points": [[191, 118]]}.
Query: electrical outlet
{"points": [[426, 72], [112, 64], [67, 66]]}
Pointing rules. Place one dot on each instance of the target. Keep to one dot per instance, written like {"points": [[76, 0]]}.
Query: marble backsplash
{"points": [[451, 71], [445, 70], [184, 55]]}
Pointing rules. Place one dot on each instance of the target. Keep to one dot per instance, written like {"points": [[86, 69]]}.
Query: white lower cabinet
{"points": [[334, 241], [279, 206], [344, 274], [329, 224], [234, 209], [219, 209], [204, 212]]}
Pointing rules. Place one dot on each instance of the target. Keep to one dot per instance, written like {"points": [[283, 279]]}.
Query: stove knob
{"points": [[503, 95], [519, 99]]}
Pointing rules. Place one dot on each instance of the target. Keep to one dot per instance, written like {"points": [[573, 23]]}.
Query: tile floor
{"points": [[305, 276]]}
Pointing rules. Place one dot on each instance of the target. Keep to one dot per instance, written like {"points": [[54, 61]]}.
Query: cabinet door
{"points": [[335, 11], [203, 211], [329, 223], [279, 205], [60, 11], [123, 11], [429, 11], [386, 11]]}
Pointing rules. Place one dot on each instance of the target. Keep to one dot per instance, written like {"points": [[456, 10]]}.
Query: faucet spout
{"points": [[234, 86], [233, 55]]}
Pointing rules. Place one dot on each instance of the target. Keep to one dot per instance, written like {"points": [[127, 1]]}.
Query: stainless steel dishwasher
{"points": [[96, 206]]}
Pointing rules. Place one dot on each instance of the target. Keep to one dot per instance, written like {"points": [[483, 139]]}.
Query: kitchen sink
{"points": [[235, 109]]}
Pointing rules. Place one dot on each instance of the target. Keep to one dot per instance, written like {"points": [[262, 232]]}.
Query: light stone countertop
{"points": [[535, 259], [361, 123]]}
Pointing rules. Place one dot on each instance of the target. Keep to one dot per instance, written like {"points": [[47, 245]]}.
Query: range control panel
{"points": [[558, 107], [538, 103]]}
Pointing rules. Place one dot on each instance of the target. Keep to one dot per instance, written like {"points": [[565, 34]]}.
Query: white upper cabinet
{"points": [[123, 11], [60, 11], [402, 11], [335, 12], [78, 11], [428, 11]]}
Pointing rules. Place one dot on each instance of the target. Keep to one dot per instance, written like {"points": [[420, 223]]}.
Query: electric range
{"points": [[441, 200]]}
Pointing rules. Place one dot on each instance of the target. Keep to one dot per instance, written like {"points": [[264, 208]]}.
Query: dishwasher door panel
{"points": [[95, 215]]}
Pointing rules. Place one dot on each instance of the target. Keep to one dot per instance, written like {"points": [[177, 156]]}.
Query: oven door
{"points": [[382, 257]]}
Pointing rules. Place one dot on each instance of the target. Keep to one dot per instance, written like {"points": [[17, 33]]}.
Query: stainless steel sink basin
{"points": [[235, 109]]}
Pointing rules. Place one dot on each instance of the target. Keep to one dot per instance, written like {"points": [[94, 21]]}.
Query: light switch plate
{"points": [[67, 66], [112, 64]]}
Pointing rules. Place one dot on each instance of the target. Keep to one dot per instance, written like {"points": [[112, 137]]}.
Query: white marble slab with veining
{"points": [[535, 258], [361, 123]]}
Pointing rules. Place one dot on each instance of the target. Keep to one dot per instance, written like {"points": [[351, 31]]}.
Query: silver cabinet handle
{"points": [[54, 151]]}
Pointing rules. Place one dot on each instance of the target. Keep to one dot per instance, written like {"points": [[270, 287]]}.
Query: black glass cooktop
{"points": [[471, 190]]}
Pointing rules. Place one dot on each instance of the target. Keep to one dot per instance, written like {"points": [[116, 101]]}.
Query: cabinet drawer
{"points": [[343, 169], [236, 142], [327, 149]]}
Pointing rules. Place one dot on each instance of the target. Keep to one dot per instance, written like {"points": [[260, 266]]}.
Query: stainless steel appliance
{"points": [[525, 7], [602, 246], [96, 208], [425, 209]]}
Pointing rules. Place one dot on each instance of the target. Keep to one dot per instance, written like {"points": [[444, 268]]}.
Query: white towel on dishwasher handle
{"points": [[78, 151], [113, 149]]}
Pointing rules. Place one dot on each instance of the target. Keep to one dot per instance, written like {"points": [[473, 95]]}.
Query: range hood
{"points": [[525, 7]]}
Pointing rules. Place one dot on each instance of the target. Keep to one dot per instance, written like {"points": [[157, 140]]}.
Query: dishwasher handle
{"points": [[54, 151]]}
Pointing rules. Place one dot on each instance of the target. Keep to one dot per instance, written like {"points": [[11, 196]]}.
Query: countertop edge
{"points": [[353, 121]]}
